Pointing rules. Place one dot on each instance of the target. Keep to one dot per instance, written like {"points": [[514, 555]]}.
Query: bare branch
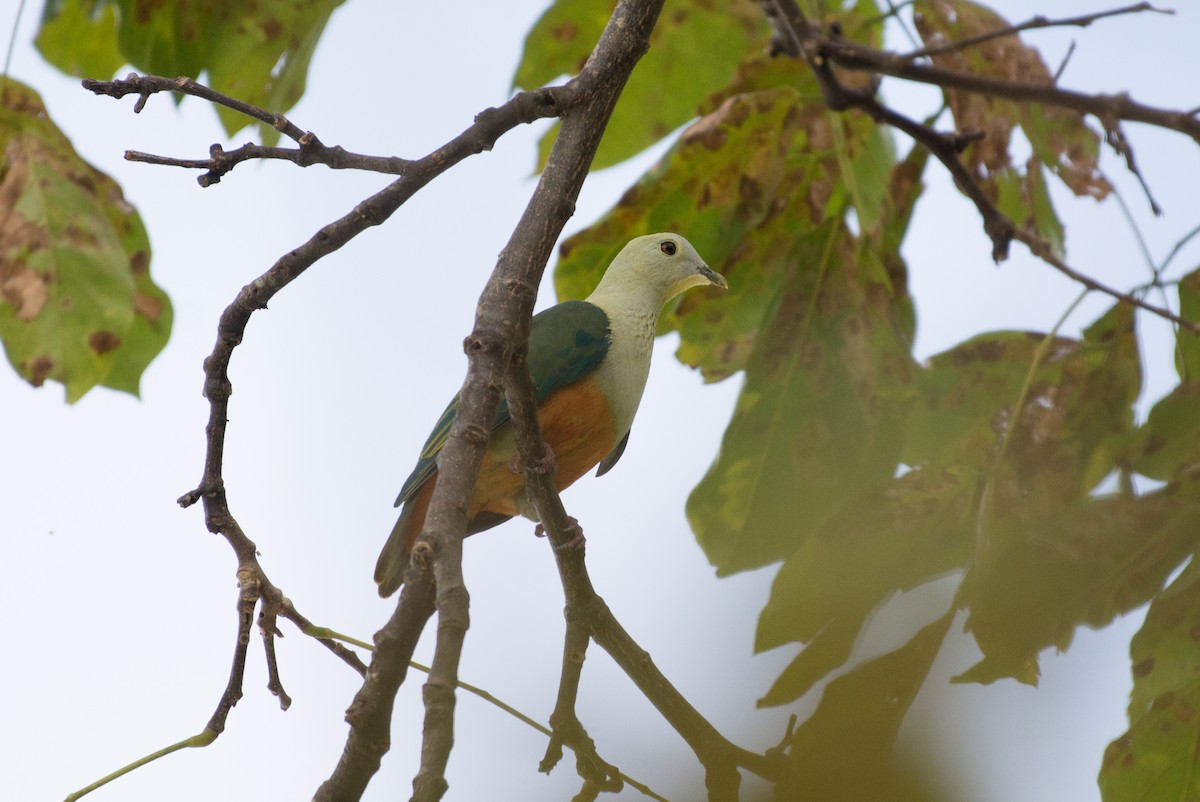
{"points": [[853, 56], [501, 323], [998, 226], [221, 161], [490, 124], [347, 656], [146, 85], [370, 714]]}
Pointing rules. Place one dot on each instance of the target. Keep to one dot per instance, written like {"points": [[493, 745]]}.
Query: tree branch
{"points": [[998, 226], [585, 608], [854, 56], [253, 585], [146, 85], [221, 161], [501, 323], [489, 125], [370, 714]]}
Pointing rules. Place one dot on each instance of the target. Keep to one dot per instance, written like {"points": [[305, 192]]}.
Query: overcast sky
{"points": [[118, 606]]}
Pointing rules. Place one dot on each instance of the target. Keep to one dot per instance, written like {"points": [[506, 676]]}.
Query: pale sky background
{"points": [[118, 607]]}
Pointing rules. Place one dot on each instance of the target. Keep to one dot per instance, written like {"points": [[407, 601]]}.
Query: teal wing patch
{"points": [[566, 343]]}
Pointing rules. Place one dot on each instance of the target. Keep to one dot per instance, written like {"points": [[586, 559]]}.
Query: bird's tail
{"points": [[393, 560]]}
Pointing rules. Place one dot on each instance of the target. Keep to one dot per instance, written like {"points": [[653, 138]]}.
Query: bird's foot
{"points": [[546, 465], [577, 541]]}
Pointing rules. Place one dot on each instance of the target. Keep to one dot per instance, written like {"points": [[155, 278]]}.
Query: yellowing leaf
{"points": [[76, 301], [1060, 138]]}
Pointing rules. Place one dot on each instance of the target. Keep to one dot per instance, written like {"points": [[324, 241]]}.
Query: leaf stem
{"points": [[12, 39], [203, 738]]}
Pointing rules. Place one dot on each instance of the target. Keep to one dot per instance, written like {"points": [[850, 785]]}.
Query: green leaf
{"points": [[1156, 758], [1169, 441], [871, 170], [1045, 219], [917, 529], [966, 391], [1067, 146], [1041, 577], [843, 751], [171, 37], [75, 295], [258, 51], [80, 37], [560, 41], [1187, 345], [1050, 555], [820, 417], [261, 55], [694, 49]]}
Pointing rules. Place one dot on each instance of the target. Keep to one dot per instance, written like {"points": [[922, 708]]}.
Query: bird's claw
{"points": [[577, 540], [546, 465]]}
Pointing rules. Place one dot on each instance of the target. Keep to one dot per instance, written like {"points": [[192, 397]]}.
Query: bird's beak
{"points": [[714, 278]]}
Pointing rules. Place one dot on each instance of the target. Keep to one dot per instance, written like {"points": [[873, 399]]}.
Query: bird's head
{"points": [[664, 264]]}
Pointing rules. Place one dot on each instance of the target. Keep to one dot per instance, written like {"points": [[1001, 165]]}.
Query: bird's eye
{"points": [[667, 247]]}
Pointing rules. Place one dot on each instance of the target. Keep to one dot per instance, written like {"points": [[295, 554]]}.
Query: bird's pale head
{"points": [[662, 264]]}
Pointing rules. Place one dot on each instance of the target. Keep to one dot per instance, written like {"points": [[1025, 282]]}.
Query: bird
{"points": [[589, 361]]}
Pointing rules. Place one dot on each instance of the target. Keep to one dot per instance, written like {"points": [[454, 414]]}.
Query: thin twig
{"points": [[1034, 23], [1115, 137], [853, 56], [221, 161], [1062, 65], [1041, 249], [146, 85]]}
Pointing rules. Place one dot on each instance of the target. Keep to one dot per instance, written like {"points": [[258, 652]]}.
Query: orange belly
{"points": [[577, 425]]}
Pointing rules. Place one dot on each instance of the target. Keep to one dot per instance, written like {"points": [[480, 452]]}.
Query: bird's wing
{"points": [[566, 343]]}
